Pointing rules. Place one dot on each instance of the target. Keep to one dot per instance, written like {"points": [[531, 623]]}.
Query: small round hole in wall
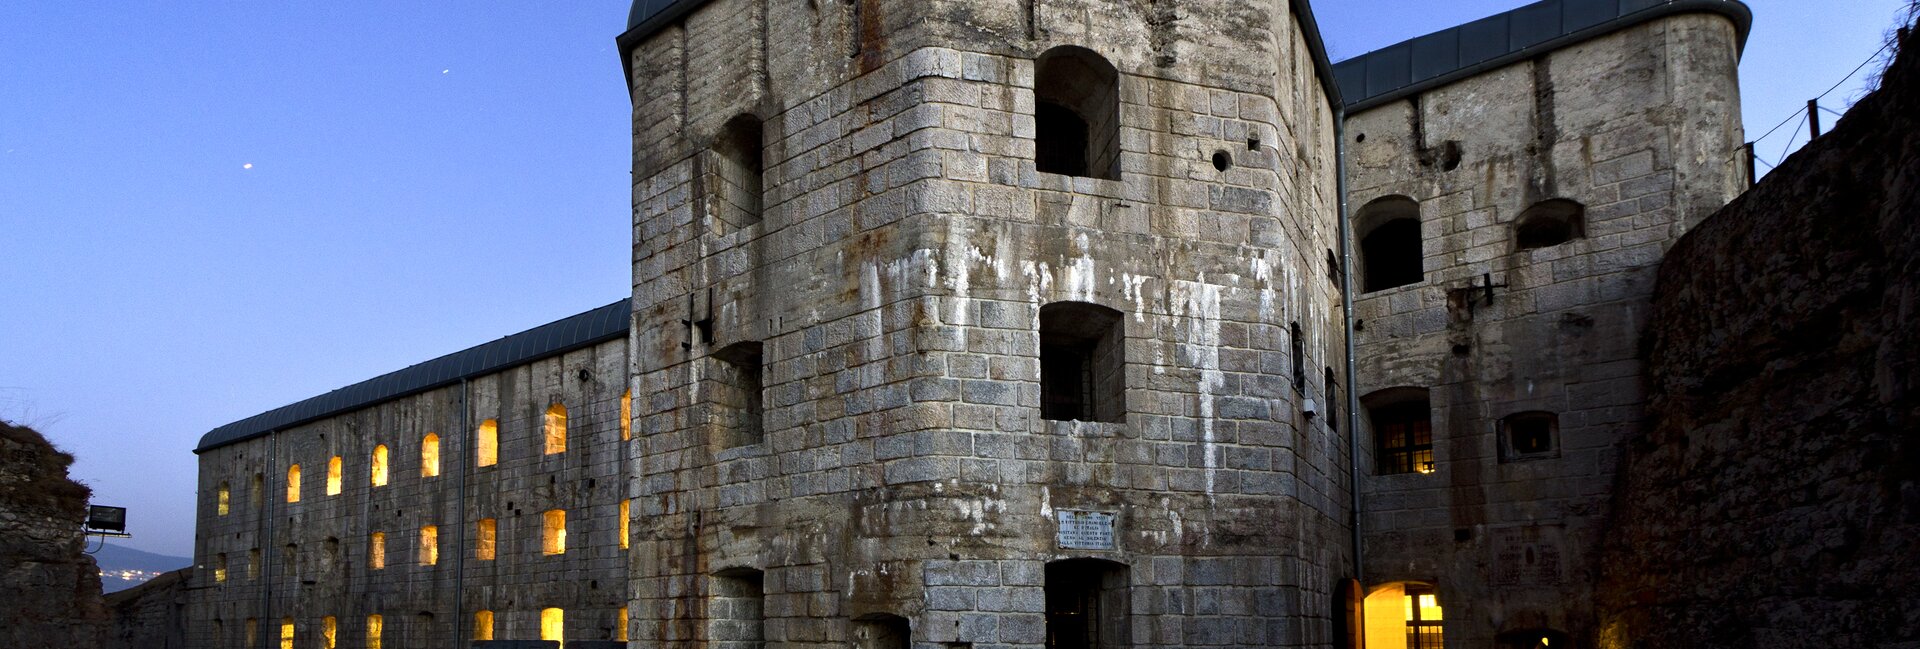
{"points": [[1222, 160], [1360, 138]]}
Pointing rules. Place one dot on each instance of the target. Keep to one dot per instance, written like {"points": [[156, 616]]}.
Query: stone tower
{"points": [[984, 323]]}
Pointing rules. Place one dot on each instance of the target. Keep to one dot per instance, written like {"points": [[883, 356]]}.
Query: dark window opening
{"points": [[737, 395], [1333, 405], [1550, 223], [882, 631], [736, 609], [1530, 434], [1534, 639], [1423, 618], [1076, 114], [1390, 249], [1082, 363], [1087, 604], [1299, 350], [733, 173], [1334, 274], [1402, 430]]}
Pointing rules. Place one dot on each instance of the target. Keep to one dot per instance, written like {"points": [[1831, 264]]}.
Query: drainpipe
{"points": [[1346, 317], [460, 538], [267, 627]]}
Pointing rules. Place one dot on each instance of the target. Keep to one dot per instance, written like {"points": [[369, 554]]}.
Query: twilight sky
{"points": [[212, 209]]}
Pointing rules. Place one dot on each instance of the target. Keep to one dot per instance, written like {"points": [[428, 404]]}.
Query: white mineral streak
{"points": [[1197, 306]]}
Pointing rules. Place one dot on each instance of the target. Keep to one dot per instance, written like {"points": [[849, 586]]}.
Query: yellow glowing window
{"points": [[626, 416], [429, 545], [486, 443], [430, 456], [625, 507], [333, 476], [380, 465], [253, 632], [483, 548], [220, 505], [286, 633], [554, 532], [293, 483], [556, 428], [329, 632], [377, 551], [219, 568], [553, 624], [253, 563], [374, 625], [620, 632], [483, 625]]}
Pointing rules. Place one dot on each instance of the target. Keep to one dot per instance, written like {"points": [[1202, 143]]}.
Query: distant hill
{"points": [[122, 568]]}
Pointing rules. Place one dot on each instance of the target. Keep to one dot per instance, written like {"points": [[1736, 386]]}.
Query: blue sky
{"points": [[211, 209]]}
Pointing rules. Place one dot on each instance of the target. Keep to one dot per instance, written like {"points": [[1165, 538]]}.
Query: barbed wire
{"points": [[1803, 113]]}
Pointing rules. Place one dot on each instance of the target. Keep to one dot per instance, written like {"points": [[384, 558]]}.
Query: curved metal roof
{"points": [[547, 340], [1420, 64]]}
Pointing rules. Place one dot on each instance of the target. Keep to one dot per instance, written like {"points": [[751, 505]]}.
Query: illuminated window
{"points": [[625, 510], [259, 493], [429, 545], [483, 540], [1402, 431], [556, 428], [483, 625], [286, 633], [1423, 618], [486, 443], [293, 483], [329, 632], [377, 551], [553, 625], [626, 416], [333, 476], [620, 620], [220, 567], [374, 624], [1390, 246], [1076, 97], [253, 632], [220, 504], [430, 456], [253, 563], [553, 531], [379, 470], [1087, 603], [1082, 363]]}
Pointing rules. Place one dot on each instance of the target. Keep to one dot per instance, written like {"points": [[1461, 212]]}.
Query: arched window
{"points": [[1550, 223], [286, 633], [1082, 363], [220, 504], [483, 625], [553, 625], [1087, 604], [1390, 250], [375, 625], [430, 456], [379, 466], [329, 632], [429, 545], [1076, 114], [1529, 435], [486, 443], [377, 551], [484, 539], [333, 476], [553, 532], [220, 568], [734, 174], [1404, 614], [1402, 430], [556, 428], [293, 483]]}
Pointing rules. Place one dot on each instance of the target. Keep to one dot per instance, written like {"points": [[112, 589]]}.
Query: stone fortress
{"points": [[1036, 323]]}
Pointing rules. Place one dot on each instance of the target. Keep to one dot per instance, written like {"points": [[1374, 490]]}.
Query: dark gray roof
{"points": [[649, 16], [551, 339], [1449, 55]]}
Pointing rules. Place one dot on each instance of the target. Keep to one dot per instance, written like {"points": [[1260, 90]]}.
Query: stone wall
{"points": [[49, 587], [895, 285], [1773, 502], [152, 615], [310, 560], [1641, 128]]}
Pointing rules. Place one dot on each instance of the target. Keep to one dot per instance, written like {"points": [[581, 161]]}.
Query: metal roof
{"points": [[547, 340], [1443, 57], [649, 16]]}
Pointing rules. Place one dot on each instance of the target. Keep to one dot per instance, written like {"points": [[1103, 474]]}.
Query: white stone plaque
{"points": [[1085, 530]]}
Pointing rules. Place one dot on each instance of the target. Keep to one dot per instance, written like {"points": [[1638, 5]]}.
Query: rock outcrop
{"points": [[49, 587], [1775, 500]]}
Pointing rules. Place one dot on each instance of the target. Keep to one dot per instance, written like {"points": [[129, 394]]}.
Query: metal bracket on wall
{"points": [[1485, 287]]}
